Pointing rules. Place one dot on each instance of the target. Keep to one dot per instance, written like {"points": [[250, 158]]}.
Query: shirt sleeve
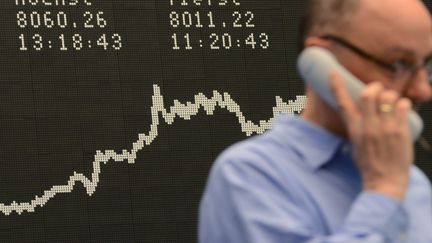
{"points": [[244, 203], [419, 197], [375, 213]]}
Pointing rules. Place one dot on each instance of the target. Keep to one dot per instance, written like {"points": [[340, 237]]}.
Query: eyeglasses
{"points": [[402, 70]]}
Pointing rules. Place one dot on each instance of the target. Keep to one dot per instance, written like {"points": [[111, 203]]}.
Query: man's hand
{"points": [[379, 131]]}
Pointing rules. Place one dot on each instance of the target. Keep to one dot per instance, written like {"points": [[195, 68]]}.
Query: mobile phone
{"points": [[315, 65]]}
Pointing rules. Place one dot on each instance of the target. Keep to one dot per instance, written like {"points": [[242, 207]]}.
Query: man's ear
{"points": [[316, 41]]}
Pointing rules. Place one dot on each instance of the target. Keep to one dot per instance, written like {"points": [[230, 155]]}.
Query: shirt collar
{"points": [[315, 144]]}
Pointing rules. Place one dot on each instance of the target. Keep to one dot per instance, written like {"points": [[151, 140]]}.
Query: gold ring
{"points": [[386, 108]]}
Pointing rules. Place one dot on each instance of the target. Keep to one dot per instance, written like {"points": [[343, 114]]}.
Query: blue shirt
{"points": [[299, 183]]}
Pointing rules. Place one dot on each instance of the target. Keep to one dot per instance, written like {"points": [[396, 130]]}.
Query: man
{"points": [[332, 176]]}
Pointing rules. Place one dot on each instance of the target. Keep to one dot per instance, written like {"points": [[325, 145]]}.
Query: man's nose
{"points": [[420, 88]]}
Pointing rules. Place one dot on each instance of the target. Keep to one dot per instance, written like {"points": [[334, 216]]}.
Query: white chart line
{"points": [[184, 111]]}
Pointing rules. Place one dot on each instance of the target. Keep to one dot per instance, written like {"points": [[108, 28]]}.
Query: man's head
{"points": [[322, 16], [390, 31]]}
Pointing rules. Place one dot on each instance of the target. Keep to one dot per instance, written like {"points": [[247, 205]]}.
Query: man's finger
{"points": [[387, 101], [402, 109], [370, 102]]}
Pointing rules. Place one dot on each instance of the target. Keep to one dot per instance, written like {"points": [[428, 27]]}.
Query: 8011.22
{"points": [[76, 42]]}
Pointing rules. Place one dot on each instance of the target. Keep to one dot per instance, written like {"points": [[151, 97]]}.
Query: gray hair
{"points": [[320, 15]]}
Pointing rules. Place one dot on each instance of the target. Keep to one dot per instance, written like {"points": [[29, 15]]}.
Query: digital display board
{"points": [[112, 112]]}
